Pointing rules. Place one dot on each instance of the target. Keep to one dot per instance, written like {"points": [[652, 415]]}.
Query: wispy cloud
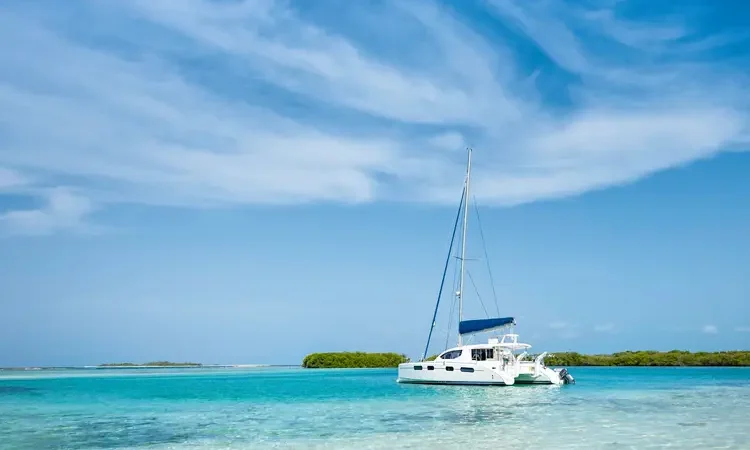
{"points": [[710, 329], [742, 329], [200, 102], [558, 325], [63, 210], [605, 328], [10, 179], [565, 330]]}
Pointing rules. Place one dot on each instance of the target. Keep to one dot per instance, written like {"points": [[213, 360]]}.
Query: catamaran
{"points": [[495, 362]]}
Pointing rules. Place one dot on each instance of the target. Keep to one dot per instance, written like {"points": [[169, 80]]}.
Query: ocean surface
{"points": [[612, 408]]}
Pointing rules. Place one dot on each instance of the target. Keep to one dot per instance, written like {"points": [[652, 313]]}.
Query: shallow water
{"points": [[616, 408]]}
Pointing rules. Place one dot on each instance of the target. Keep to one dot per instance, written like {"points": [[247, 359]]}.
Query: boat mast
{"points": [[463, 244], [445, 271]]}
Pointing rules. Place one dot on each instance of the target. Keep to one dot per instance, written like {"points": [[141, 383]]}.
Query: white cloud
{"points": [[63, 210], [449, 141], [605, 328], [742, 329], [291, 108], [643, 37], [10, 179], [710, 329]]}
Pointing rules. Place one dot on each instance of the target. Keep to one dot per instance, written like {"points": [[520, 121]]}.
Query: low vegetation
{"points": [[153, 364], [345, 360], [646, 358], [651, 358]]}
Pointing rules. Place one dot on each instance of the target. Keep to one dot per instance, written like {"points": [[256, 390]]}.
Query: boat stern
{"points": [[565, 377]]}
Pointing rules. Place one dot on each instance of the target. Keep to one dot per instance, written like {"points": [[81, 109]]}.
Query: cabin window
{"points": [[417, 367], [482, 354], [453, 354], [467, 369], [449, 368], [430, 367]]}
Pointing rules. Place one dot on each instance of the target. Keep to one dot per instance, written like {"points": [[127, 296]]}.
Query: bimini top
{"points": [[477, 325]]}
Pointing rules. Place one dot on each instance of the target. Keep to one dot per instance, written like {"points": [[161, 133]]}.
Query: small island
{"points": [[150, 364], [652, 358], [674, 358], [352, 360]]}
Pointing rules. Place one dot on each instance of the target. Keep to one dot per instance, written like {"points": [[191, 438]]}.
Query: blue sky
{"points": [[250, 181]]}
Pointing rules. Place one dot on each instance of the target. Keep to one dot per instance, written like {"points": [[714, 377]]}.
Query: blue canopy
{"points": [[475, 326]]}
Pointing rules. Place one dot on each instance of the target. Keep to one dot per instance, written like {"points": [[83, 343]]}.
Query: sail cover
{"points": [[475, 326]]}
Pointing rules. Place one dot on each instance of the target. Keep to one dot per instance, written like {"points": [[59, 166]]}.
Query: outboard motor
{"points": [[566, 377]]}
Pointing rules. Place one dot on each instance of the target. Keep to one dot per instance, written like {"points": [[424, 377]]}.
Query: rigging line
{"points": [[450, 322], [445, 270], [455, 289], [455, 298], [477, 291], [486, 256]]}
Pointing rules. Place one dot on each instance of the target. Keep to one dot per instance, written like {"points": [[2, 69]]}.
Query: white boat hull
{"points": [[463, 373]]}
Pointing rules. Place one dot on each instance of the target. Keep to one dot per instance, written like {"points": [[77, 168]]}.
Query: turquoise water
{"points": [[616, 408]]}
